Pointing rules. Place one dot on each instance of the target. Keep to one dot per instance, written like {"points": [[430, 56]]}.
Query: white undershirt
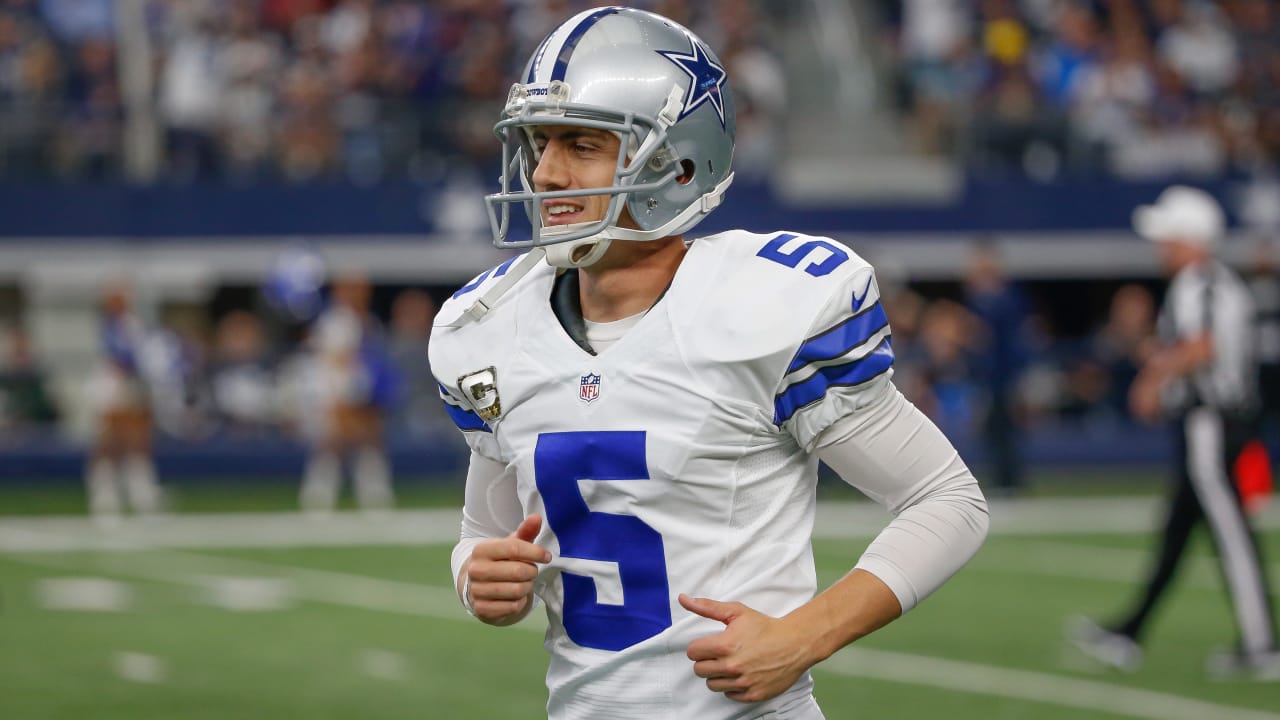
{"points": [[600, 335]]}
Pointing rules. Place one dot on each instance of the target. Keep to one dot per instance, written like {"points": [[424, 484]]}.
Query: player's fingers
{"points": [[727, 685], [743, 696], [511, 548], [528, 529], [707, 648], [712, 609], [497, 608], [500, 590], [713, 669], [502, 571]]}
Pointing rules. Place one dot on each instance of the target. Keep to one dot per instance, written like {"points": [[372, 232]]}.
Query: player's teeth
{"points": [[559, 209]]}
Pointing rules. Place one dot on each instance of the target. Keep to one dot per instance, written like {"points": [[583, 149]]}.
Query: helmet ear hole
{"points": [[687, 168]]}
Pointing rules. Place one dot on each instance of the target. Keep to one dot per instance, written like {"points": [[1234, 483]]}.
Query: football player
{"points": [[646, 411]]}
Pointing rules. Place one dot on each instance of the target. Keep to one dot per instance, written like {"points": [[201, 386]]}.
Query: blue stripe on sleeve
{"points": [[842, 338], [791, 400], [465, 419]]}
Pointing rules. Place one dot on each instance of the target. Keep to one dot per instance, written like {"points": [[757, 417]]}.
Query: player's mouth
{"points": [[559, 212]]}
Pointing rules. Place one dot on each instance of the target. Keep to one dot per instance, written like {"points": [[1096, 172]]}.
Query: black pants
{"points": [[1001, 437], [1204, 489]]}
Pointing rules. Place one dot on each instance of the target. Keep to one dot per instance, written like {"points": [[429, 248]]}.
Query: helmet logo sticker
{"points": [[706, 78]]}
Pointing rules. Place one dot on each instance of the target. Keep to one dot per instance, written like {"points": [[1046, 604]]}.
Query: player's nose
{"points": [[552, 171]]}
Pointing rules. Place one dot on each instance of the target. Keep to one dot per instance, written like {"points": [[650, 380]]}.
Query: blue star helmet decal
{"points": [[706, 79]]}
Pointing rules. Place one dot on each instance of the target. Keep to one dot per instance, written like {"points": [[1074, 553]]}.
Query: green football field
{"points": [[271, 615]]}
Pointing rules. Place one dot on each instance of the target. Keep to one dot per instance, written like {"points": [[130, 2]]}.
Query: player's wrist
{"points": [[811, 635], [822, 629]]}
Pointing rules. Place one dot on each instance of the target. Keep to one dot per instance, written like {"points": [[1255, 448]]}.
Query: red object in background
{"points": [[281, 15], [1253, 477]]}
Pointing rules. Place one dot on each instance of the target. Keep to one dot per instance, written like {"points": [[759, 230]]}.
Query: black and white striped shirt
{"points": [[1211, 298]]}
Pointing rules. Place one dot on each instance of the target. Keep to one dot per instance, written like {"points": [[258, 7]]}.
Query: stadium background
{"points": [[203, 151]]}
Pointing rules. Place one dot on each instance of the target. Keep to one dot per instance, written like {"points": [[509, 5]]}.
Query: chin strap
{"points": [[577, 253]]}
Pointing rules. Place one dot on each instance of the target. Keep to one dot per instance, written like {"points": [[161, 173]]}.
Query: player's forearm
{"points": [[929, 542], [912, 557], [900, 458], [491, 510], [855, 606]]}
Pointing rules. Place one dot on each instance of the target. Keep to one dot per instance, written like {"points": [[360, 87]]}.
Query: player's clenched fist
{"points": [[500, 574]]}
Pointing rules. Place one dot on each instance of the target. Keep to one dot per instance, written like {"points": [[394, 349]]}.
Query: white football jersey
{"points": [[677, 461]]}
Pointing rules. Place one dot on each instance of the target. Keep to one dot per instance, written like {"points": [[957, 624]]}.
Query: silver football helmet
{"points": [[655, 85]]}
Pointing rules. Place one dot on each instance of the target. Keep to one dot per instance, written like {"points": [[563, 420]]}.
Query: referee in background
{"points": [[1205, 374]]}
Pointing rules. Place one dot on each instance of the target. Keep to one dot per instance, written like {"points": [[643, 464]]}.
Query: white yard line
{"points": [[229, 530], [139, 667], [367, 593], [835, 520], [83, 594], [334, 588], [1045, 688], [1094, 562]]}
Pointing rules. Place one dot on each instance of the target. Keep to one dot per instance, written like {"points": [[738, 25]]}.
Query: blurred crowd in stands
{"points": [[363, 90], [1135, 88], [300, 90], [309, 359], [992, 361], [984, 355]]}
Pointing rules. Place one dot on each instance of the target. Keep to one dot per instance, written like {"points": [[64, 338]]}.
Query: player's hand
{"points": [[755, 658], [502, 571]]}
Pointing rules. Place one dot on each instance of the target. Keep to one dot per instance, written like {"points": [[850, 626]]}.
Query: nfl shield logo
{"points": [[590, 388]]}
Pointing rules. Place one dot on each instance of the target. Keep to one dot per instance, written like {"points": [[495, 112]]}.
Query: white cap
{"points": [[1181, 213]]}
